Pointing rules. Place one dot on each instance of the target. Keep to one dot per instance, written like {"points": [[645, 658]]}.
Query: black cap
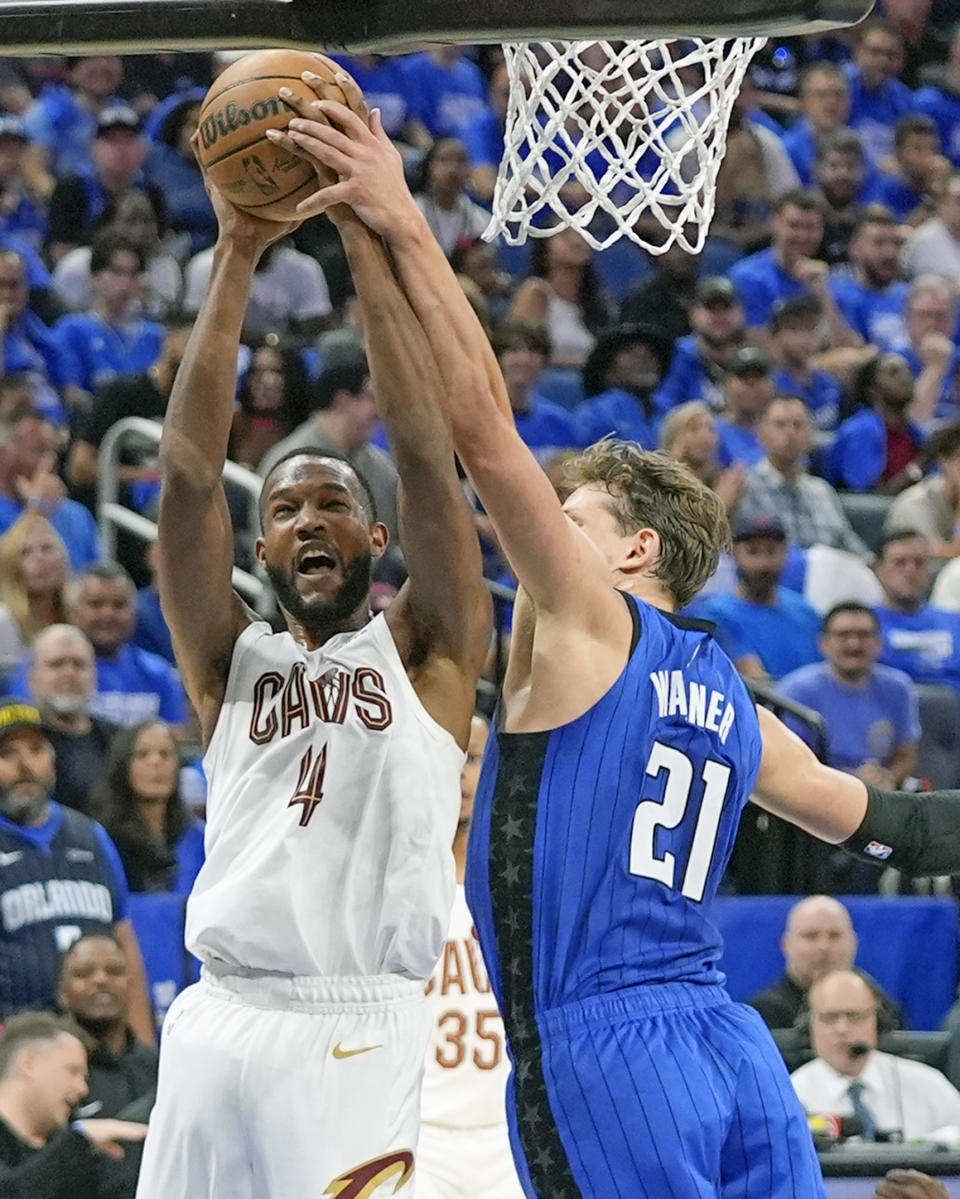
{"points": [[16, 715], [715, 289], [118, 116], [744, 527], [748, 360], [612, 341]]}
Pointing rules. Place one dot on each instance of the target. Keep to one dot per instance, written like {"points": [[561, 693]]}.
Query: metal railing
{"points": [[113, 515]]}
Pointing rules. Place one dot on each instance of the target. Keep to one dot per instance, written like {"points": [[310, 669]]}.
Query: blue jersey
{"points": [[596, 848]]}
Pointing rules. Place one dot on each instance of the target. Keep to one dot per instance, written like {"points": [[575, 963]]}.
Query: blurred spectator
{"points": [[934, 247], [890, 1095], [80, 201], [273, 401], [33, 576], [918, 639], [62, 123], [289, 293], [29, 347], [152, 632], [931, 351], [908, 186], [766, 629], [795, 335], [95, 991], [62, 681], [132, 685], [818, 939], [877, 97], [23, 212], [701, 358], [139, 803], [43, 1065], [780, 487], [872, 299], [383, 81], [483, 135], [439, 188], [476, 261], [932, 506], [564, 295], [941, 102], [665, 296], [870, 711], [445, 88], [748, 391], [62, 876], [172, 167], [620, 378], [110, 339], [689, 434], [878, 448], [825, 101], [28, 455], [841, 179], [134, 218]]}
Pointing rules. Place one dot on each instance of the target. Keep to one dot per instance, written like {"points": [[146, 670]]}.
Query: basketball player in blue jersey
{"points": [[626, 747]]}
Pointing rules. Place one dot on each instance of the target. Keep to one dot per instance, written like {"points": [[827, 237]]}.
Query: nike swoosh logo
{"points": [[340, 1053]]}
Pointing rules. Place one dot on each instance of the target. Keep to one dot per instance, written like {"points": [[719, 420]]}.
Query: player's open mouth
{"points": [[314, 562]]}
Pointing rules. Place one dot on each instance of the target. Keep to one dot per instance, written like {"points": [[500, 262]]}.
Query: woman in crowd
{"points": [[34, 567], [439, 186], [689, 434], [159, 840], [272, 401]]}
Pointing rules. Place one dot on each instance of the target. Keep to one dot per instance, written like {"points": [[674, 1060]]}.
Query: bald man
{"points": [[819, 937]]}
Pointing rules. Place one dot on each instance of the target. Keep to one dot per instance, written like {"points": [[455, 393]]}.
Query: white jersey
{"points": [[333, 802], [467, 1065]]}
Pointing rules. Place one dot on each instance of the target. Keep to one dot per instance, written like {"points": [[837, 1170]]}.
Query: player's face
{"points": [[56, 1074], [95, 982], [904, 571], [64, 675], [154, 764], [843, 1012], [819, 939], [851, 644], [470, 775], [26, 775], [797, 232], [591, 509], [318, 544], [43, 565], [876, 250], [103, 609]]}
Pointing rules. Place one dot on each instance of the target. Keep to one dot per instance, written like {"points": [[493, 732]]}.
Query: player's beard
{"points": [[322, 615]]}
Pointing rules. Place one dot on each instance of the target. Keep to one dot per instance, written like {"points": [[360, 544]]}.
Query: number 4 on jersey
{"points": [[652, 814], [309, 790]]}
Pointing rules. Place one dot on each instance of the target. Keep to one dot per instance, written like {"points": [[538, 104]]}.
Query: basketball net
{"points": [[617, 139]]}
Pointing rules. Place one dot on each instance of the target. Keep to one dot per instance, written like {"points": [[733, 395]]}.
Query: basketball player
{"points": [[333, 754], [611, 791], [464, 1150]]}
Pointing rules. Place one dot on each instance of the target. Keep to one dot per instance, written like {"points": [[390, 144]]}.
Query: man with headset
{"points": [[892, 1098]]}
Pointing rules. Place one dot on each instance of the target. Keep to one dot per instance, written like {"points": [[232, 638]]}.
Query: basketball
{"points": [[241, 105]]}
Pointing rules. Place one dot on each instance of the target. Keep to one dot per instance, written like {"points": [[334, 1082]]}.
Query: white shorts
{"points": [[275, 1088], [466, 1163]]}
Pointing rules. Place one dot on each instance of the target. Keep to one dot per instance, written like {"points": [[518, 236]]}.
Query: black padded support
{"points": [[75, 26]]}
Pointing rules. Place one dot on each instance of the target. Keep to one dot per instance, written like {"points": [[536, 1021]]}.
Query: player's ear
{"points": [[643, 550], [379, 539], [260, 550]]}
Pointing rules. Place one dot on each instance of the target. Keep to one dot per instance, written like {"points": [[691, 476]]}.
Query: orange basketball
{"points": [[241, 105]]}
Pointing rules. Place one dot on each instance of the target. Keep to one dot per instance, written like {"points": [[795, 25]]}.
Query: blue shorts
{"points": [[669, 1092]]}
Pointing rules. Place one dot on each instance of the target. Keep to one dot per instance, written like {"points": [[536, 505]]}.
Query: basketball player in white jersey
{"points": [[333, 753], [464, 1150]]}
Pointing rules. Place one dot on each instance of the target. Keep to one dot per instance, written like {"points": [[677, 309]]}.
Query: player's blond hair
{"points": [[650, 490]]}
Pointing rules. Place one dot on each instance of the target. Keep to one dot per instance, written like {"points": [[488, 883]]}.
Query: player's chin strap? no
{"points": [[918, 833]]}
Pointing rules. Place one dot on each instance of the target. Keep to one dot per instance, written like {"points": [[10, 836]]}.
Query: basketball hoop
{"points": [[617, 139]]}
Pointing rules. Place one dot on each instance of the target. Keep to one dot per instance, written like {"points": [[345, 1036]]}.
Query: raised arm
{"points": [[195, 538]]}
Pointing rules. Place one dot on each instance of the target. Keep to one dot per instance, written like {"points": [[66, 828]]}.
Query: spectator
{"points": [[43, 1064], [878, 448], [439, 185], [62, 123], [701, 359], [748, 391], [908, 186], [825, 103], [273, 400], [62, 679], [382, 80], [918, 639], [51, 851], [841, 179], [152, 632], [28, 449], [95, 992], [689, 434], [564, 295], [483, 135], [933, 356], [343, 420], [33, 575], [932, 506], [888, 1094], [620, 379], [819, 938], [780, 486], [446, 90], [172, 167], [788, 269], [665, 297], [766, 629], [877, 97], [872, 299], [110, 339], [23, 209], [933, 248], [941, 102], [870, 711], [80, 201], [475, 261], [160, 843], [795, 333]]}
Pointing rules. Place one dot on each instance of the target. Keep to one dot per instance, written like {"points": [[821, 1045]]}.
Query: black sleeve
{"points": [[917, 833], [68, 1168], [68, 212], [110, 403]]}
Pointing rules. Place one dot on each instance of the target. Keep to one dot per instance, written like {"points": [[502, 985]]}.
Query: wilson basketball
{"points": [[241, 105]]}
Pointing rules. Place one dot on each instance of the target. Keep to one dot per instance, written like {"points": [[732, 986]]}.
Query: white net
{"points": [[617, 138]]}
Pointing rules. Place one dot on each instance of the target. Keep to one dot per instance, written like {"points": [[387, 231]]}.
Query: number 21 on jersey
{"points": [[652, 814]]}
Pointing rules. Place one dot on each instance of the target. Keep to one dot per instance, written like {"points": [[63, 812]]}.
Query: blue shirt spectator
{"points": [[446, 90], [859, 458], [878, 314], [64, 118], [73, 522], [796, 330], [152, 632], [942, 105], [700, 359], [735, 443], [38, 277], [821, 393], [98, 350], [546, 427], [173, 170], [620, 378], [385, 85], [761, 281], [878, 99]]}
